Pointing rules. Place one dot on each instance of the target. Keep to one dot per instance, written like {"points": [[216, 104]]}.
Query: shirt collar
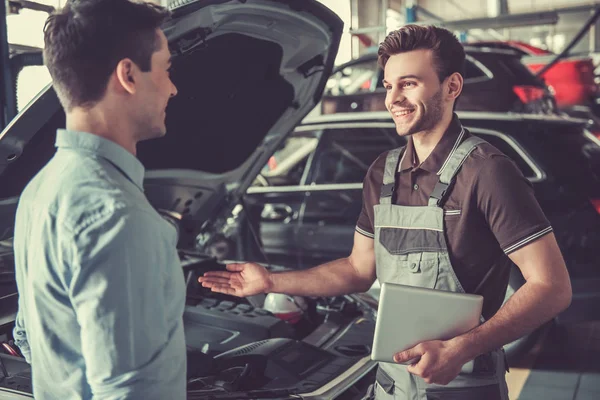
{"points": [[440, 154], [129, 165]]}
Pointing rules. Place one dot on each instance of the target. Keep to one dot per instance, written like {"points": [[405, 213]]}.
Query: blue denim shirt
{"points": [[101, 290]]}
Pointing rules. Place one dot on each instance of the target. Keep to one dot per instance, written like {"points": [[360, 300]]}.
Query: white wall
{"points": [[456, 9], [342, 9]]}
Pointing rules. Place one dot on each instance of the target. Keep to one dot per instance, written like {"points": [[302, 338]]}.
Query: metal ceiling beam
{"points": [[576, 9], [16, 5], [502, 7], [431, 18], [428, 14], [503, 21]]}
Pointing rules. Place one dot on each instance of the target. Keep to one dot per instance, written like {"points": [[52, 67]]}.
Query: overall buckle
{"points": [[387, 190], [439, 191]]}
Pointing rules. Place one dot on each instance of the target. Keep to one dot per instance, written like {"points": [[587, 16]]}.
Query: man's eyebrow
{"points": [[405, 77]]}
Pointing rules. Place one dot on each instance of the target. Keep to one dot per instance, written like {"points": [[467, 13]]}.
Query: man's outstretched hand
{"points": [[239, 280]]}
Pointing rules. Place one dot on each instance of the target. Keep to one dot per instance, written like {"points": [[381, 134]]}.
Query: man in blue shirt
{"points": [[101, 291]]}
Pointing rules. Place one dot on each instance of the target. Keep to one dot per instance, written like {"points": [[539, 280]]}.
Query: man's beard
{"points": [[431, 117]]}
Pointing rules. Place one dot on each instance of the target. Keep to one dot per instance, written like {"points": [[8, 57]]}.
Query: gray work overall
{"points": [[410, 249]]}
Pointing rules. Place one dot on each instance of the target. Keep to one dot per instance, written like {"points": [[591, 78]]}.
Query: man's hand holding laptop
{"points": [[436, 361]]}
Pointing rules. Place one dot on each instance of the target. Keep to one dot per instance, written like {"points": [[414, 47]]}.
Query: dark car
{"points": [[571, 78], [307, 214], [494, 80], [245, 81]]}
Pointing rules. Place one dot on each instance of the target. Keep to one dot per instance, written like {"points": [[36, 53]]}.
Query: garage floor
{"points": [[564, 365]]}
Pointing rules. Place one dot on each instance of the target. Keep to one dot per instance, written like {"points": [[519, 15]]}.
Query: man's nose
{"points": [[173, 90], [394, 96]]}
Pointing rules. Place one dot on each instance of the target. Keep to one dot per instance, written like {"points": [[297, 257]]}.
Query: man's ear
{"points": [[126, 74], [454, 85]]}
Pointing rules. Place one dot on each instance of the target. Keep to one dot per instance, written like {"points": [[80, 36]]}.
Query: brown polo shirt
{"points": [[490, 211]]}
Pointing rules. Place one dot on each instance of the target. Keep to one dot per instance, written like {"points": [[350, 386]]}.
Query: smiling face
{"points": [[414, 93]]}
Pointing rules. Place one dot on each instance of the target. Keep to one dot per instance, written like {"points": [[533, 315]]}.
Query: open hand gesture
{"points": [[239, 280]]}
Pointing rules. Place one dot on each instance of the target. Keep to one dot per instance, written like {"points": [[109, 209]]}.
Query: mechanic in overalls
{"points": [[447, 211]]}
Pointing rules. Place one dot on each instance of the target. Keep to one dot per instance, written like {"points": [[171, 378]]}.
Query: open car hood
{"points": [[247, 72]]}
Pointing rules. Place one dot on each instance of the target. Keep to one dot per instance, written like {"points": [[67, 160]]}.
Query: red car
{"points": [[572, 78]]}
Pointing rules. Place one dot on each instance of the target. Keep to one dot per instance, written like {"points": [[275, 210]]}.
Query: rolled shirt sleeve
{"points": [[131, 347]]}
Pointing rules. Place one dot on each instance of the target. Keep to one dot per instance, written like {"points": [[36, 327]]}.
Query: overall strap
{"points": [[451, 168], [389, 175]]}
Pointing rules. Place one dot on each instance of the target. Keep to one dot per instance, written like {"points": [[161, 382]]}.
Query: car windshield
{"points": [[286, 166]]}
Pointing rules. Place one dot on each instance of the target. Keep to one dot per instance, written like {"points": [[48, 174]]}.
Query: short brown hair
{"points": [[448, 53], [85, 41]]}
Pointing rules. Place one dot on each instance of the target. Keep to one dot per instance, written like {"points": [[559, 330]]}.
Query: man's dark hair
{"points": [[448, 53], [85, 41]]}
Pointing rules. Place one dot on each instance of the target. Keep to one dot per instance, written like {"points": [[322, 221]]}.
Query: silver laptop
{"points": [[409, 315]]}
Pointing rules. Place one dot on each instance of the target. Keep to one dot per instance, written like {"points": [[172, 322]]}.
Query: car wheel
{"points": [[516, 349]]}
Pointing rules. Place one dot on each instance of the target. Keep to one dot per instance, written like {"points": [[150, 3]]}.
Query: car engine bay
{"points": [[254, 349]]}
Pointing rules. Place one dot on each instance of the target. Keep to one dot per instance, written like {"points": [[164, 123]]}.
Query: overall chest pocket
{"points": [[419, 269], [408, 259]]}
